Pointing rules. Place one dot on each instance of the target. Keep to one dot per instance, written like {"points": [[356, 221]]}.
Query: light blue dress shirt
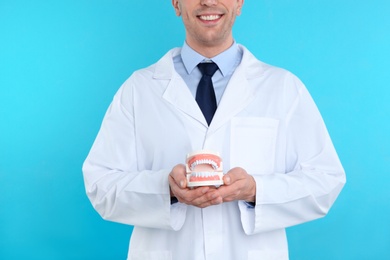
{"points": [[227, 61]]}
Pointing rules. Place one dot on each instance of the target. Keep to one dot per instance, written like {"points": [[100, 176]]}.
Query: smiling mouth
{"points": [[212, 17]]}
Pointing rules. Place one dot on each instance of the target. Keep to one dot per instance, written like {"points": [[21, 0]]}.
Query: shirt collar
{"points": [[225, 60]]}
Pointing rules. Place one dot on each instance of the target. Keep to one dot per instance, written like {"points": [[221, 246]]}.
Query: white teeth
{"points": [[204, 161], [202, 174], [209, 17]]}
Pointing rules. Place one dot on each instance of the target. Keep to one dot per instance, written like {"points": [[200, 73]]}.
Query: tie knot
{"points": [[208, 68]]}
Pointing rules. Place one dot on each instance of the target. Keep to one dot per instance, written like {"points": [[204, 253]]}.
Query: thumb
{"points": [[227, 180], [234, 175], [179, 175]]}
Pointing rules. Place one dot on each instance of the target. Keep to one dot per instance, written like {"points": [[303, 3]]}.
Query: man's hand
{"points": [[200, 197], [238, 185]]}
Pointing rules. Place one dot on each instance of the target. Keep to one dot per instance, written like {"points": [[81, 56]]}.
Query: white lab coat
{"points": [[266, 122]]}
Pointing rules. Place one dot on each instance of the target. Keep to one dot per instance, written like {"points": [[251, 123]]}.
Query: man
{"points": [[280, 166]]}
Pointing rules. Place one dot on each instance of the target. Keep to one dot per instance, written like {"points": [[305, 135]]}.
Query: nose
{"points": [[208, 2]]}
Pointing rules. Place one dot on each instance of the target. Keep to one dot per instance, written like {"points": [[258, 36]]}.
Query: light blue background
{"points": [[62, 61]]}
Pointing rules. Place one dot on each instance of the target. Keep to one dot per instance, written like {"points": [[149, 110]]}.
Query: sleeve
{"points": [[117, 189], [313, 176]]}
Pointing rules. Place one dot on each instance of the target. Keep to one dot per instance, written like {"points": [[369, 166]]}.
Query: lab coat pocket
{"points": [[253, 144]]}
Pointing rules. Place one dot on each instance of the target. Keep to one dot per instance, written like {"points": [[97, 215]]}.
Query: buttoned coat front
{"points": [[266, 123]]}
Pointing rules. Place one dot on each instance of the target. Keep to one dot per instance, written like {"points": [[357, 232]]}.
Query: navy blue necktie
{"points": [[205, 95]]}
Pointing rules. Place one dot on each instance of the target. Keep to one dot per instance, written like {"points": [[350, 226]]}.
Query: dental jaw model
{"points": [[204, 168]]}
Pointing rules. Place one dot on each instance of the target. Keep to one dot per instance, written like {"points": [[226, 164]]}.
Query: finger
{"points": [[178, 174], [174, 189], [192, 196], [208, 199], [210, 203], [234, 175], [241, 188], [208, 196], [216, 201], [173, 185], [176, 182], [229, 193]]}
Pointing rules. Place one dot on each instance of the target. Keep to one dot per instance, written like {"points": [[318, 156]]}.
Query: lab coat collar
{"points": [[238, 94], [225, 60]]}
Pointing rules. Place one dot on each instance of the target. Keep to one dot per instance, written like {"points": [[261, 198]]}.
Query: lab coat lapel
{"points": [[177, 92], [236, 97], [239, 91]]}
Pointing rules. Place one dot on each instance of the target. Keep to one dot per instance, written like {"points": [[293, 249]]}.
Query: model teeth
{"points": [[202, 174], [209, 17], [204, 161]]}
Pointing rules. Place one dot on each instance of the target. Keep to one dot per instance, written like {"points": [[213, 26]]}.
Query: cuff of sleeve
{"points": [[250, 205], [174, 200]]}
